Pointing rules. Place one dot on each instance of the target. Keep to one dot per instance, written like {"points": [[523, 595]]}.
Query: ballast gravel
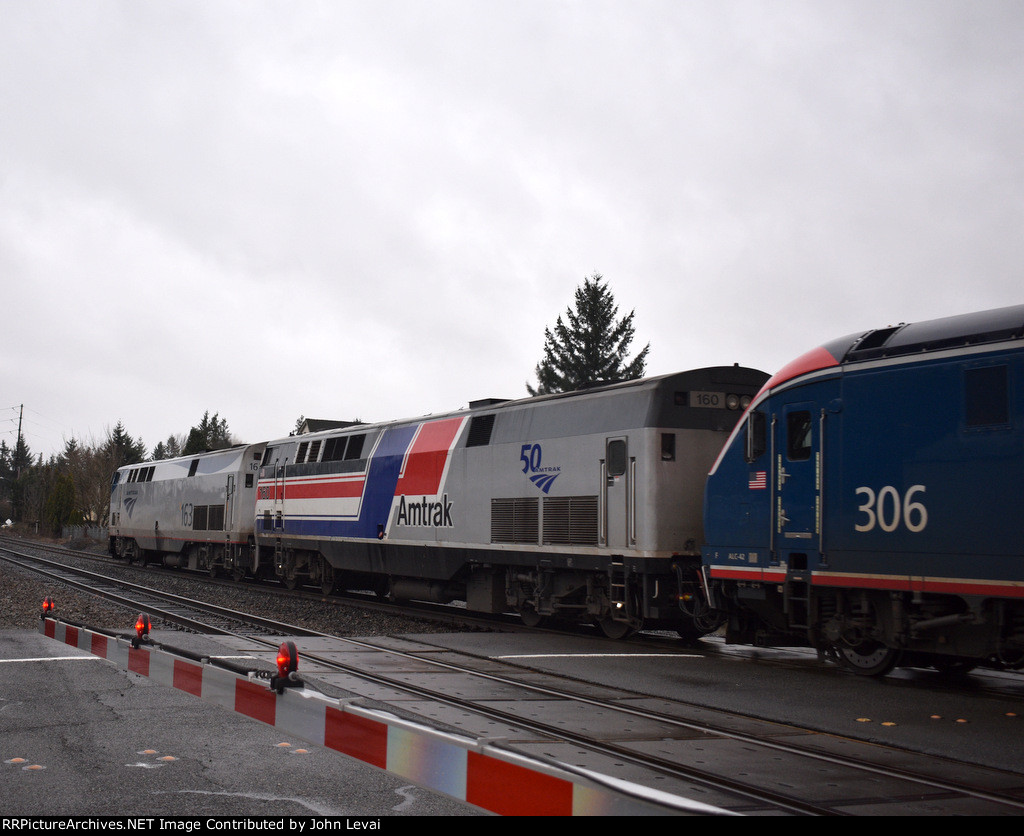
{"points": [[22, 594]]}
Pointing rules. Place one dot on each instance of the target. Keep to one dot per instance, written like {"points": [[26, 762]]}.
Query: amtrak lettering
{"points": [[424, 512]]}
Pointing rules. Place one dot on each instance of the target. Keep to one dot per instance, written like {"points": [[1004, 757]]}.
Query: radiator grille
{"points": [[570, 520], [515, 520]]}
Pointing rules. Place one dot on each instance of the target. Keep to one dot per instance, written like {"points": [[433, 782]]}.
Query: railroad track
{"points": [[771, 755], [367, 601], [189, 613]]}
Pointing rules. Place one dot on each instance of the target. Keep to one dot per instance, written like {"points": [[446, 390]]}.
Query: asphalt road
{"points": [[80, 737]]}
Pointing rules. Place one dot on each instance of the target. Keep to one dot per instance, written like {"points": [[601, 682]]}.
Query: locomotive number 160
{"points": [[887, 509]]}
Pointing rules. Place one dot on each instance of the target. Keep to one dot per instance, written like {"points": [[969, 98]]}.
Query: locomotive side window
{"points": [[334, 449], [193, 467], [798, 436], [986, 397], [616, 457], [757, 435], [342, 448], [355, 447]]}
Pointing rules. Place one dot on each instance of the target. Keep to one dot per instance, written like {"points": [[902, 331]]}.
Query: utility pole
{"points": [[18, 443]]}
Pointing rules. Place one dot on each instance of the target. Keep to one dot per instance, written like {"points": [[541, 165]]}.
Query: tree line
{"points": [[587, 346], [73, 487]]}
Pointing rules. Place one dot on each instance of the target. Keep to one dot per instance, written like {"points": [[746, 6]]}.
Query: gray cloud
{"points": [[373, 209]]}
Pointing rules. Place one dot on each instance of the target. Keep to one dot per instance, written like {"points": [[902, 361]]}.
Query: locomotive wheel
{"points": [[615, 629], [690, 633], [530, 617], [238, 574], [868, 658]]}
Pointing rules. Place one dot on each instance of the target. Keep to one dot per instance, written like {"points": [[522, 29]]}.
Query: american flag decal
{"points": [[758, 480]]}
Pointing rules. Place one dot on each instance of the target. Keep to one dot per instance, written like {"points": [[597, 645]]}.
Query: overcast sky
{"points": [[373, 209]]}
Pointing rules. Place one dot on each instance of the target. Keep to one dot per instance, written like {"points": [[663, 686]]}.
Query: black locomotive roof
{"points": [[932, 335]]}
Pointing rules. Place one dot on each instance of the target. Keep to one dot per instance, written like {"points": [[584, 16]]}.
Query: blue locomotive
{"points": [[869, 502]]}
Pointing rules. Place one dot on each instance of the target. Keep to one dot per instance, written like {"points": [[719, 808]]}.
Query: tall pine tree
{"points": [[589, 346], [211, 434]]}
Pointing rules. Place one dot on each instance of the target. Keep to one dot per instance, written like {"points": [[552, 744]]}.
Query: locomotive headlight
{"points": [[732, 401], [745, 401]]}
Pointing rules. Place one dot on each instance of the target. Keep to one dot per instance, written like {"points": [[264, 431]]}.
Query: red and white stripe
{"points": [[468, 770]]}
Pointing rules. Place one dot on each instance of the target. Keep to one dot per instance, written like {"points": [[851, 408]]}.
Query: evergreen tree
{"points": [[20, 478], [60, 504], [22, 457], [211, 434], [589, 347], [6, 481], [120, 448], [170, 449]]}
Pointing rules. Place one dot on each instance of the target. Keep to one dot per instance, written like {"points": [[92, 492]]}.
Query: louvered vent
{"points": [[515, 520], [570, 520], [216, 518], [480, 430]]}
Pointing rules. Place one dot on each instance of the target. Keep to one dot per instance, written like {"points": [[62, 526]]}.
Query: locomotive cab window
{"points": [[986, 397], [757, 435], [798, 436]]}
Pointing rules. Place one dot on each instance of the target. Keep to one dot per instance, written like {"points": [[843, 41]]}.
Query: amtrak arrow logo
{"points": [[531, 455], [544, 481]]}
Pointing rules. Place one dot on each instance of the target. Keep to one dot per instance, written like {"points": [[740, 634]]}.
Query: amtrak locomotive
{"points": [[193, 513], [585, 506], [870, 501]]}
